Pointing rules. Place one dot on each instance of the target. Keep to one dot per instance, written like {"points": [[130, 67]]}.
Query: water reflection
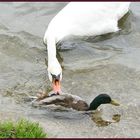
{"points": [[101, 122], [107, 63]]}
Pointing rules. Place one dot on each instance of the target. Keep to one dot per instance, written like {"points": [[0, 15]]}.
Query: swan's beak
{"points": [[113, 102], [56, 86]]}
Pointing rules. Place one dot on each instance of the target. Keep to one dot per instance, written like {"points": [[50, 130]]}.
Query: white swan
{"points": [[80, 19]]}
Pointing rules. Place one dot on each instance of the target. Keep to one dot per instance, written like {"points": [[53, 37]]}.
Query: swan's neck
{"points": [[53, 64], [51, 47]]}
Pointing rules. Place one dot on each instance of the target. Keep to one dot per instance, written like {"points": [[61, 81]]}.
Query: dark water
{"points": [[104, 64]]}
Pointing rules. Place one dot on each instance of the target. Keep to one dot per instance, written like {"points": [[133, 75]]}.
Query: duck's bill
{"points": [[56, 86], [113, 102]]}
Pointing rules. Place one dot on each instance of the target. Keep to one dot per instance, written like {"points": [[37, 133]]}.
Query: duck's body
{"points": [[80, 19], [65, 100], [73, 101]]}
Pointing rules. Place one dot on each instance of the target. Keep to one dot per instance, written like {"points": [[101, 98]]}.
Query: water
{"points": [[105, 64]]}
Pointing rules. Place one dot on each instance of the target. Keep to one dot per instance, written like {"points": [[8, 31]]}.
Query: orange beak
{"points": [[56, 86]]}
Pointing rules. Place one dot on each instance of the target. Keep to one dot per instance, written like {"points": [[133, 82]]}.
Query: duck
{"points": [[79, 19], [74, 102]]}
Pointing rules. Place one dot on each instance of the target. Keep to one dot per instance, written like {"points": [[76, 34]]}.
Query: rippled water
{"points": [[104, 64]]}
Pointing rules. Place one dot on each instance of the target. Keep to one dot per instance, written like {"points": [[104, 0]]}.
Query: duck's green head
{"points": [[102, 99]]}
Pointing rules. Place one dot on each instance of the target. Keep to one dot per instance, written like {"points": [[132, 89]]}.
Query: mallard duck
{"points": [[80, 19], [75, 102]]}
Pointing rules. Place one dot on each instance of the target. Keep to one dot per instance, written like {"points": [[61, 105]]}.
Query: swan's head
{"points": [[55, 75]]}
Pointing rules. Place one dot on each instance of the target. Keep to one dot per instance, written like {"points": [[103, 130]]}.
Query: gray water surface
{"points": [[92, 65]]}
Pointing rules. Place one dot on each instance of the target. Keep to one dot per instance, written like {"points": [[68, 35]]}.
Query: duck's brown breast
{"points": [[80, 105]]}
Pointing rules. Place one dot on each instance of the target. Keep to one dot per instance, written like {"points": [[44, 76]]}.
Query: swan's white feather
{"points": [[81, 19], [86, 18]]}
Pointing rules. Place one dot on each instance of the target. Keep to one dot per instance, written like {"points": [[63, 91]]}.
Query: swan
{"points": [[80, 19]]}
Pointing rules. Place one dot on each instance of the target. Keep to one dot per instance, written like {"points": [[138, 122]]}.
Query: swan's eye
{"points": [[55, 77]]}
